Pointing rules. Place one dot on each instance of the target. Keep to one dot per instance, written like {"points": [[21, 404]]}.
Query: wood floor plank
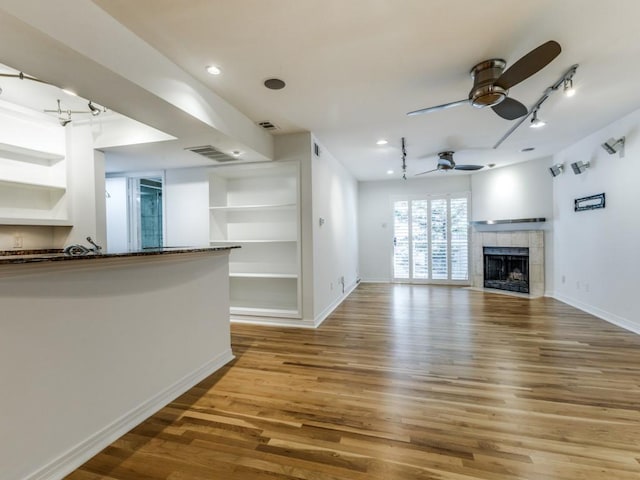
{"points": [[405, 382]]}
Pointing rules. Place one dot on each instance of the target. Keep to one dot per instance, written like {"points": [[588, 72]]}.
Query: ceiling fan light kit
{"points": [[446, 162]]}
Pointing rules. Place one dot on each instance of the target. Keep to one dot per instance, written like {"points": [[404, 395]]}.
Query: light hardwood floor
{"points": [[405, 382]]}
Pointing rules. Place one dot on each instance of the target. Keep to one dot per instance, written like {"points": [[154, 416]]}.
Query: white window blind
{"points": [[431, 239], [401, 239]]}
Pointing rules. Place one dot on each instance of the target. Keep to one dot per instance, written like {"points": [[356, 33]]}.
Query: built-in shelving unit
{"points": [[256, 207], [33, 171]]}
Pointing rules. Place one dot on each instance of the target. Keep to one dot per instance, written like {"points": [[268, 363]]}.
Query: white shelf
{"points": [[36, 221], [250, 208], [29, 155], [213, 242], [34, 185], [262, 275]]}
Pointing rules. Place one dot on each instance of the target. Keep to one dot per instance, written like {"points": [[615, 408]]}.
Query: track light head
{"points": [[580, 166], [64, 121], [556, 170], [535, 121], [95, 111], [569, 91], [612, 146]]}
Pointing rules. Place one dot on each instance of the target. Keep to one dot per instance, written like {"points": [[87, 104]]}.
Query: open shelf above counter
{"points": [[35, 185], [46, 222], [29, 155]]}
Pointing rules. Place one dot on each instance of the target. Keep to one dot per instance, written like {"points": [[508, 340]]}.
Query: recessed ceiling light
{"points": [[381, 142], [528, 149], [235, 153], [69, 92], [213, 70], [389, 172], [274, 84]]}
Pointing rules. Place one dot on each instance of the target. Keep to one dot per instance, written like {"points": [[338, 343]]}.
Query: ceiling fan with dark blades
{"points": [[491, 83], [446, 162]]}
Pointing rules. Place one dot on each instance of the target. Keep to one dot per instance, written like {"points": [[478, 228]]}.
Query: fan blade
{"points": [[438, 107], [428, 171], [531, 63], [510, 109], [468, 168]]}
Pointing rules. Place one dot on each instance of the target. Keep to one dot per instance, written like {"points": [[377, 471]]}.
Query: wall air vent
{"points": [[212, 154], [268, 125]]}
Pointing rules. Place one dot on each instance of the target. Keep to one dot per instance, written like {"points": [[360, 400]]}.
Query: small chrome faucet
{"points": [[96, 248]]}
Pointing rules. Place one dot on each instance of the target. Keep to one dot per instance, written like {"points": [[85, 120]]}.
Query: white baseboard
{"points": [[273, 321], [76, 456], [374, 280], [327, 311], [598, 312]]}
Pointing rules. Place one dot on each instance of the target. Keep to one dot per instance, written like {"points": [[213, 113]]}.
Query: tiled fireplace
{"points": [[512, 260]]}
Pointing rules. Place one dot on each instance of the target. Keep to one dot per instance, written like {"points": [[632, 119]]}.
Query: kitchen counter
{"points": [[56, 255], [92, 345]]}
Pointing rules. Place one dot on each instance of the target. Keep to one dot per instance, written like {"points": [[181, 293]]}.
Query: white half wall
{"points": [[596, 251], [522, 190], [375, 218], [335, 232], [90, 348]]}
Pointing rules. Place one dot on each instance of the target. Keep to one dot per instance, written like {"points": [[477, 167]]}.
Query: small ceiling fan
{"points": [[491, 83], [445, 162]]}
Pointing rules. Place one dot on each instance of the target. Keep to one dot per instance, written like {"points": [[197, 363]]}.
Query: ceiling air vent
{"points": [[212, 154], [268, 125]]}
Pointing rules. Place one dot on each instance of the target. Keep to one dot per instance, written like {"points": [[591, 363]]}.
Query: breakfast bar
{"points": [[107, 339]]}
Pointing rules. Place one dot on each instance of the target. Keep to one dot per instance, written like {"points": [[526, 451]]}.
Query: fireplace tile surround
{"points": [[531, 239]]}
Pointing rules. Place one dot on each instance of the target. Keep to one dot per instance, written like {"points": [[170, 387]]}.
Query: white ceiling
{"points": [[353, 69]]}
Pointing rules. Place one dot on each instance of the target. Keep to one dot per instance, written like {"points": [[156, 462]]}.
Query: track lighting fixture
{"points": [[614, 146], [93, 110], [569, 91], [566, 80], [556, 170], [535, 121], [580, 166]]}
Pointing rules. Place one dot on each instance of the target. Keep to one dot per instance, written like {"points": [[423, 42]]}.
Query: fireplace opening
{"points": [[506, 268]]}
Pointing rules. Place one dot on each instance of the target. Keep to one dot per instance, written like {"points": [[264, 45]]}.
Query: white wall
{"points": [[117, 220], [522, 190], [187, 207], [297, 147], [86, 186], [596, 252], [375, 224], [335, 242]]}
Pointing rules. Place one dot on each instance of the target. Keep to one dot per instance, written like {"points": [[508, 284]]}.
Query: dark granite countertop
{"points": [[55, 255]]}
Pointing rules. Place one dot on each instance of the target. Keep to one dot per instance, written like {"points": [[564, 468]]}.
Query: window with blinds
{"points": [[431, 239]]}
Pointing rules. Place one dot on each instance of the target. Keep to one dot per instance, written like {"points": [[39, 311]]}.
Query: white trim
{"points": [[602, 314], [327, 311], [76, 456], [272, 321]]}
